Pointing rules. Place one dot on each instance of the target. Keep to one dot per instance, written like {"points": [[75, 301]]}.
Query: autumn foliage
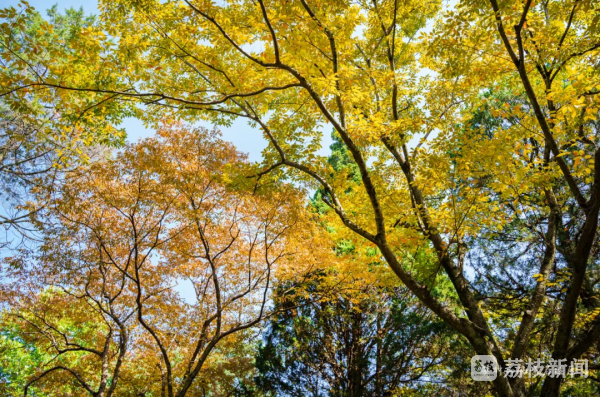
{"points": [[464, 172]]}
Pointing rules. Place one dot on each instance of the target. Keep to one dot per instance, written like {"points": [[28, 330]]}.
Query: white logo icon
{"points": [[484, 368]]}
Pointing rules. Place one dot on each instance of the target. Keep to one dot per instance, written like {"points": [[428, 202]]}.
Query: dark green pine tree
{"points": [[340, 347]]}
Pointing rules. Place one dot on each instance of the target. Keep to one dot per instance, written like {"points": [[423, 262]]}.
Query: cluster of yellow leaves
{"points": [[33, 51]]}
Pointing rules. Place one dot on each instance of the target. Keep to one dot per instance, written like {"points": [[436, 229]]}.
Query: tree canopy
{"points": [[466, 134]]}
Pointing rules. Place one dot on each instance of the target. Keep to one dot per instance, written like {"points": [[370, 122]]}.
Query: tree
{"points": [[291, 66], [99, 298], [349, 342]]}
